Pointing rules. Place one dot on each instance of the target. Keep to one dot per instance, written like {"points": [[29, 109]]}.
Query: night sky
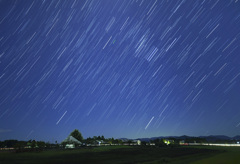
{"points": [[119, 68]]}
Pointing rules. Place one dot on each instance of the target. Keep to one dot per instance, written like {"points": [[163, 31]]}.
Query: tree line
{"points": [[93, 140], [32, 144]]}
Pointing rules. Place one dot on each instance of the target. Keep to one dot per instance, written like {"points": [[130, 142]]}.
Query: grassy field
{"points": [[126, 154], [229, 155]]}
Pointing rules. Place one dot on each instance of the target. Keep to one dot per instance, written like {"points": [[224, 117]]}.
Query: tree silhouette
{"points": [[102, 138], [33, 144], [76, 134]]}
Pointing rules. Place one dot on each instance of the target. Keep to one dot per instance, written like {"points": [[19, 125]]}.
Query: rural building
{"points": [[71, 142], [136, 142], [167, 141]]}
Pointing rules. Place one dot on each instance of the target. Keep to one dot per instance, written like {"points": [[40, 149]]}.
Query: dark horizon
{"points": [[231, 137]]}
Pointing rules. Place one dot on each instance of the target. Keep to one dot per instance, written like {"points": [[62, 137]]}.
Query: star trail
{"points": [[119, 68]]}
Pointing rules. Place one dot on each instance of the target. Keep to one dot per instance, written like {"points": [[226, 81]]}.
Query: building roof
{"points": [[71, 139]]}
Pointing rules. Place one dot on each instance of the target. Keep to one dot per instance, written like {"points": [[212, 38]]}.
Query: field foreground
{"points": [[127, 154]]}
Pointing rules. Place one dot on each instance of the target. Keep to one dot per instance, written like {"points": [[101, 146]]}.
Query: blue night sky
{"points": [[119, 68]]}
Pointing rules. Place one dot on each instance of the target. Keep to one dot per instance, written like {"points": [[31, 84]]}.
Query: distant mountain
{"points": [[210, 138], [216, 137], [183, 137], [236, 137], [161, 137]]}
